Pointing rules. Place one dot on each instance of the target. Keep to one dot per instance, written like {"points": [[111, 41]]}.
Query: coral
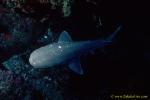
{"points": [[26, 5], [16, 65], [66, 8], [6, 78], [18, 30], [27, 24], [26, 80]]}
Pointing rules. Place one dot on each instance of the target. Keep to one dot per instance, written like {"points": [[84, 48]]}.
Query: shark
{"points": [[67, 51]]}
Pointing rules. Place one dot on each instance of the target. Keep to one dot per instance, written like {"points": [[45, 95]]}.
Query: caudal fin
{"points": [[110, 38]]}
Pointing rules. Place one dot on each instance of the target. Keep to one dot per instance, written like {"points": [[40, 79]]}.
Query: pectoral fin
{"points": [[76, 66]]}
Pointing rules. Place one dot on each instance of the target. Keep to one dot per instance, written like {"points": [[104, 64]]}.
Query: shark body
{"points": [[65, 51]]}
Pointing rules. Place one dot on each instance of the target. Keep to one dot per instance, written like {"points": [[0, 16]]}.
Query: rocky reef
{"points": [[26, 25]]}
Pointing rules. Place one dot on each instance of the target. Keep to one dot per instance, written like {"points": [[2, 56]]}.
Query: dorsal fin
{"points": [[64, 37]]}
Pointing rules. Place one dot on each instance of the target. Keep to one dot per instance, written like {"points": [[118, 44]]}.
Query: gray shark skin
{"points": [[65, 51]]}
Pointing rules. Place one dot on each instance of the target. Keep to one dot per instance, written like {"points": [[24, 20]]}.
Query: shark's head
{"points": [[46, 56], [38, 59], [33, 59]]}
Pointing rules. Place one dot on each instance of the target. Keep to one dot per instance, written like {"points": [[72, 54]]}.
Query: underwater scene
{"points": [[74, 50]]}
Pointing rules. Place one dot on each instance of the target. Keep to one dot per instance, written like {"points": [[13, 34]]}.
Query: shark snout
{"points": [[32, 61]]}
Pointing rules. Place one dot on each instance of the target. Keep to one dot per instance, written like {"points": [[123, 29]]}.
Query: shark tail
{"points": [[110, 38]]}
